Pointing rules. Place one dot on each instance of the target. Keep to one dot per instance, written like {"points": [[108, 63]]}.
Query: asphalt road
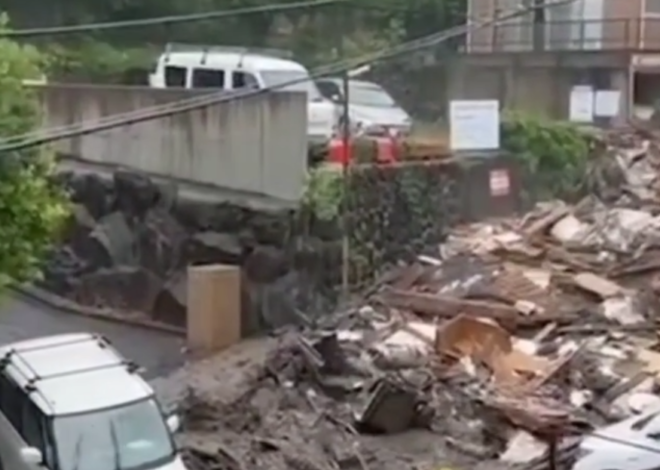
{"points": [[158, 352]]}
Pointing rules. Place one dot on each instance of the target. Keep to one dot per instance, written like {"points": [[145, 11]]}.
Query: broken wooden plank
{"points": [[595, 284], [444, 306], [541, 225]]}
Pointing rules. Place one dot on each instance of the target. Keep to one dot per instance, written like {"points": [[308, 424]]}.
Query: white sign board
{"points": [[581, 104], [607, 103], [474, 124]]}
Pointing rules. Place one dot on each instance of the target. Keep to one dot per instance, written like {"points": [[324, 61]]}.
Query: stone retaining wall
{"points": [[129, 243]]}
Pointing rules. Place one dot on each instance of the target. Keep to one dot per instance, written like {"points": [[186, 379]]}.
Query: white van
{"points": [[231, 68], [71, 402]]}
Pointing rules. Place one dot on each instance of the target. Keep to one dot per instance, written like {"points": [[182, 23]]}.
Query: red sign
{"points": [[500, 185]]}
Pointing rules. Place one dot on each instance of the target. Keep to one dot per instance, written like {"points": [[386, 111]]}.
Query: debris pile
{"points": [[520, 335]]}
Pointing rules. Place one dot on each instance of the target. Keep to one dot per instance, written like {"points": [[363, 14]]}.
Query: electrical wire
{"points": [[164, 20], [142, 115], [156, 112], [320, 71], [146, 114], [189, 104], [39, 138], [193, 17], [209, 99]]}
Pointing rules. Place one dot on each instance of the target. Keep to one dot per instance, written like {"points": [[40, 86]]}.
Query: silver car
{"points": [[371, 109]]}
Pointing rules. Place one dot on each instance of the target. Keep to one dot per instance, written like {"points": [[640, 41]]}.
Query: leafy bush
{"points": [[555, 153], [97, 61], [32, 208], [323, 192]]}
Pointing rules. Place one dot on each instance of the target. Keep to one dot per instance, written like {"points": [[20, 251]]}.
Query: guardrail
{"points": [[629, 34]]}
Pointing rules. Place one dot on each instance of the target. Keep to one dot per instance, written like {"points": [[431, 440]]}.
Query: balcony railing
{"points": [[575, 35]]}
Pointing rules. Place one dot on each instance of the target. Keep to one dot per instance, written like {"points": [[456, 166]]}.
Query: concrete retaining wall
{"points": [[256, 145]]}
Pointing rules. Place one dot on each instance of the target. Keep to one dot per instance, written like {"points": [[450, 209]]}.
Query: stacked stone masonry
{"points": [[130, 241]]}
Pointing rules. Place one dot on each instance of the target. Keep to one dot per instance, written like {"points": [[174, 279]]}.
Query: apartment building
{"points": [[608, 44], [583, 25]]}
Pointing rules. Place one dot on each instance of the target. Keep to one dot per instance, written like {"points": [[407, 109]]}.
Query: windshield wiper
{"points": [[115, 445]]}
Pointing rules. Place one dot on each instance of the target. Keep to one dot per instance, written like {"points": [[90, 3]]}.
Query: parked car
{"points": [[231, 68], [631, 444], [371, 109], [71, 402]]}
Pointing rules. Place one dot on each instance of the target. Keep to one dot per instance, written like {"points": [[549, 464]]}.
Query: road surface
{"points": [[158, 352]]}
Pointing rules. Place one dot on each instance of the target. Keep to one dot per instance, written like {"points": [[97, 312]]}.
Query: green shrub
{"points": [[323, 192], [555, 153], [32, 208]]}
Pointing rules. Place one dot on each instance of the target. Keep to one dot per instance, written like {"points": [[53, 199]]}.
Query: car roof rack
{"points": [[172, 47], [30, 386]]}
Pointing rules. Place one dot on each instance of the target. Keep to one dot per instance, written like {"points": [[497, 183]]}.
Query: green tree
{"points": [[362, 26], [32, 207]]}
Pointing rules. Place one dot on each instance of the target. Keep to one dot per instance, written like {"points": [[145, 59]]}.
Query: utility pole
{"points": [[346, 146]]}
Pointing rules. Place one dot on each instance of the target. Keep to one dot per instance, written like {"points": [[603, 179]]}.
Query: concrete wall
{"points": [[533, 82], [256, 145], [538, 83]]}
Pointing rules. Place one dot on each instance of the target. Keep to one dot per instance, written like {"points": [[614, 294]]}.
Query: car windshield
{"points": [[132, 437], [303, 82], [369, 94]]}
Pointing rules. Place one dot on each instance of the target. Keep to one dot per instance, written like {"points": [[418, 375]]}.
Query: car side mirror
{"points": [[336, 99], [31, 455], [173, 423]]}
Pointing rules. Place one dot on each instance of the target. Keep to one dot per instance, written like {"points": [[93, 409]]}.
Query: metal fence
{"points": [[609, 34]]}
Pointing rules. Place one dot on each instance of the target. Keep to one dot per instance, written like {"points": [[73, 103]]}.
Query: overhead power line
{"points": [[145, 114], [193, 17], [165, 20], [110, 122]]}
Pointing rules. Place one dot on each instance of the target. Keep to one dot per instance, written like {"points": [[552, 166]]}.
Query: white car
{"points": [[631, 444], [232, 68], [71, 402]]}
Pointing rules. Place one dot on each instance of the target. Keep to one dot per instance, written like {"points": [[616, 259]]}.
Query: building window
{"points": [[652, 7]]}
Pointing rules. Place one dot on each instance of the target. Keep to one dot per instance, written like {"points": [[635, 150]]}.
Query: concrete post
{"points": [[621, 81], [214, 307]]}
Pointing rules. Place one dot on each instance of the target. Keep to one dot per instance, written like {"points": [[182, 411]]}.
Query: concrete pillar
{"points": [[455, 81], [508, 98], [214, 307], [622, 80]]}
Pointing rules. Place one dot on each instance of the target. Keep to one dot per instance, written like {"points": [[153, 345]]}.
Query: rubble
{"points": [[519, 336]]}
